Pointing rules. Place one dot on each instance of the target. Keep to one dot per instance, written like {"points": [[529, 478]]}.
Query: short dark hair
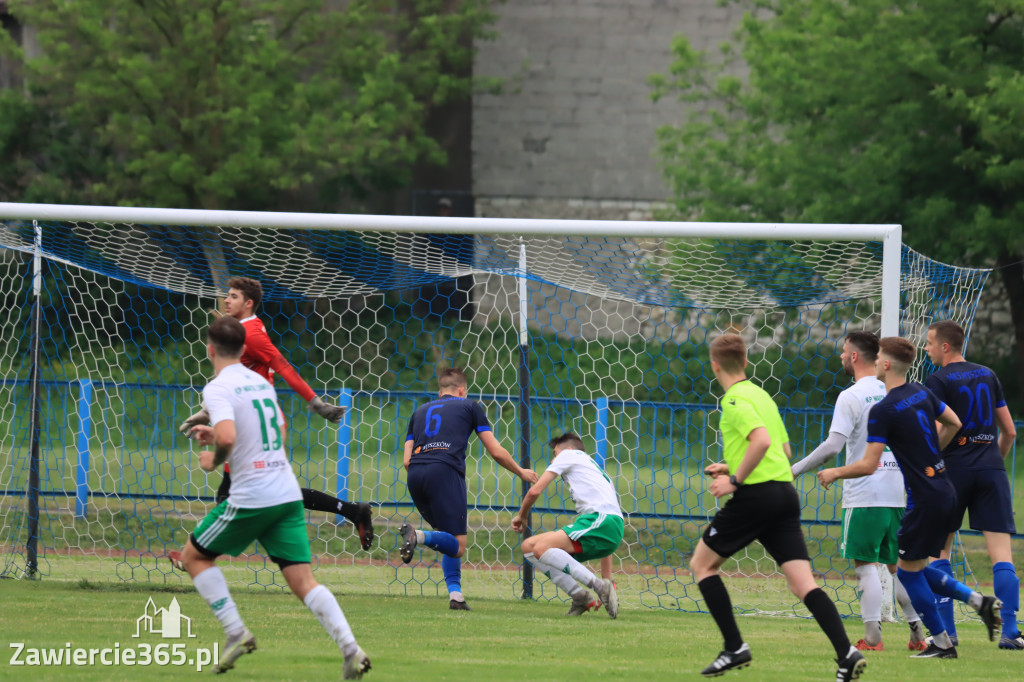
{"points": [[729, 351], [948, 331], [568, 438], [227, 336], [900, 350], [866, 344], [250, 288], [452, 378]]}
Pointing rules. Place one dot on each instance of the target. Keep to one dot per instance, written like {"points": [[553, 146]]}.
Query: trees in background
{"points": [[229, 104], [875, 111]]}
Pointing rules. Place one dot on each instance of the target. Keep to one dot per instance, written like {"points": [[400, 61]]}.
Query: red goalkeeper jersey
{"points": [[263, 357]]}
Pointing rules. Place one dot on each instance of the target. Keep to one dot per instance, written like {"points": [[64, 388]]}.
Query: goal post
{"points": [[595, 326]]}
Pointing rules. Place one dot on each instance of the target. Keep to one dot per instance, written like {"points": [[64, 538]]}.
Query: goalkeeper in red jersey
{"points": [[261, 356]]}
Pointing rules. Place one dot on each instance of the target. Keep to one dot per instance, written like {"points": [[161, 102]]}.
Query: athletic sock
{"points": [[923, 599], [825, 612], [212, 587], [1006, 585], [903, 599], [560, 579], [869, 589], [563, 561], [445, 543], [945, 602], [452, 569], [317, 500], [325, 607], [720, 605]]}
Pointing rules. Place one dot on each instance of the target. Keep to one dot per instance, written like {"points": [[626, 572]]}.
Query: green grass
{"points": [[418, 638]]}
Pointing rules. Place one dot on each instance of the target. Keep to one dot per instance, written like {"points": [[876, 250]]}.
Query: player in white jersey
{"points": [[873, 505], [265, 503], [594, 534]]}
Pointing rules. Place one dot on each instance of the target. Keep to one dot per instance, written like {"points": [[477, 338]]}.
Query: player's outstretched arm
{"points": [[947, 424], [1007, 431], [865, 466], [332, 413], [531, 496], [200, 418], [832, 446], [501, 456]]}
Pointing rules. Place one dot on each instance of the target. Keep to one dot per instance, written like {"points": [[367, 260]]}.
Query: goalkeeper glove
{"points": [[200, 418], [332, 413]]}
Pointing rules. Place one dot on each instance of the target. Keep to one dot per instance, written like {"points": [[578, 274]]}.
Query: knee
{"points": [[528, 545]]}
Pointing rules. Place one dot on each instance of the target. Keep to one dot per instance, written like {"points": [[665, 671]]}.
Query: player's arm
{"points": [[501, 456], [946, 425], [532, 495], [223, 441], [259, 346], [758, 442], [407, 453], [865, 466], [1007, 431], [831, 447]]}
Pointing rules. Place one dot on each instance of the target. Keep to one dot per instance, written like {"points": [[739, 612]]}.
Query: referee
{"points": [[764, 506]]}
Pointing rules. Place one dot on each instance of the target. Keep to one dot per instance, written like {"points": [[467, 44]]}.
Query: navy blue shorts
{"points": [[439, 493], [985, 493], [924, 528], [768, 512]]}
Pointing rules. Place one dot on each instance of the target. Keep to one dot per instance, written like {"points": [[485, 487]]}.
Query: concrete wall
{"points": [[575, 120]]}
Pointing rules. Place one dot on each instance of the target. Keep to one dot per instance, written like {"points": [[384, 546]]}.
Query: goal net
{"points": [[597, 327]]}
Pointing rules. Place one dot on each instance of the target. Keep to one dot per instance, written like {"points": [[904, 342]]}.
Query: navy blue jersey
{"points": [[974, 393], [440, 430], [905, 421]]}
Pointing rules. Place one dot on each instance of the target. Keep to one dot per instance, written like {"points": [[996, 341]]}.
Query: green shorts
{"points": [[595, 536], [869, 534], [281, 529]]}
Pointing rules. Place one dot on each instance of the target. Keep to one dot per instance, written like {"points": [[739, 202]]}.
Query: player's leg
{"points": [[589, 536], [917, 634], [439, 493], [964, 485], [783, 538], [1006, 585], [582, 600], [864, 531], [223, 491], [287, 544], [992, 513], [705, 564], [225, 530], [359, 513]]}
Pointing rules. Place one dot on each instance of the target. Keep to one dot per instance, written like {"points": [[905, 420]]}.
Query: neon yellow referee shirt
{"points": [[745, 407]]}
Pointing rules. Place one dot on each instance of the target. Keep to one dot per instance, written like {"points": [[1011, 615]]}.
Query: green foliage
{"points": [[876, 111], [226, 104]]}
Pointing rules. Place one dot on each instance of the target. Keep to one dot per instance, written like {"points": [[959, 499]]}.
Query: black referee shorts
{"points": [[768, 512]]}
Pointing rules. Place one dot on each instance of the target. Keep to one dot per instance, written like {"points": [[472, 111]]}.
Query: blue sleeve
{"points": [[936, 386], [409, 433], [997, 388], [480, 418], [878, 425]]}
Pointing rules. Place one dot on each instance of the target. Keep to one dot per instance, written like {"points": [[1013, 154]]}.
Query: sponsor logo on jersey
{"points": [[259, 464]]}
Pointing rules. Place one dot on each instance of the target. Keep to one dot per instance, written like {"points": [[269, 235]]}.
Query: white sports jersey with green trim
{"points": [[883, 488], [590, 487], [261, 475]]}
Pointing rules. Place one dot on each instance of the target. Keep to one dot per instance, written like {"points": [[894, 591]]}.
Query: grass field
{"points": [[418, 638]]}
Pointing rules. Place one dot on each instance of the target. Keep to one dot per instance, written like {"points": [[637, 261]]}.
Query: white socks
{"points": [[325, 607], [903, 599], [214, 589], [563, 562], [869, 586], [558, 577]]}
